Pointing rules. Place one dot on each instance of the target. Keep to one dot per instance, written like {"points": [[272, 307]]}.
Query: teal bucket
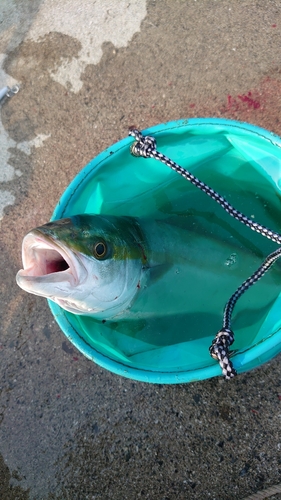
{"points": [[243, 163]]}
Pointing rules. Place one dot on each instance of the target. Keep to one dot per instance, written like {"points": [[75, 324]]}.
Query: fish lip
{"points": [[72, 307], [34, 243]]}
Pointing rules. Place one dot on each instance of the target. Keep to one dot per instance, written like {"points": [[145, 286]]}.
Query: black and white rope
{"points": [[256, 276], [225, 337], [145, 146]]}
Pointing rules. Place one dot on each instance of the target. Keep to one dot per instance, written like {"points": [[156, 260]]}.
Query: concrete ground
{"points": [[87, 71]]}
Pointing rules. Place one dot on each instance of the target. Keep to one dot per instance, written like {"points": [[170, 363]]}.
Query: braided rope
{"points": [[225, 337], [145, 146], [264, 494], [256, 276]]}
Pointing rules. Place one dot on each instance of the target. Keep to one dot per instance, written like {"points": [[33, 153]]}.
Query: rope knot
{"points": [[219, 351], [144, 145]]}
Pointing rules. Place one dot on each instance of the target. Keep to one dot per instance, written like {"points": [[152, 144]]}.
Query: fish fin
{"points": [[156, 272]]}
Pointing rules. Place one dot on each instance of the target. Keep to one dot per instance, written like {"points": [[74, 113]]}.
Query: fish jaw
{"points": [[76, 282], [48, 264]]}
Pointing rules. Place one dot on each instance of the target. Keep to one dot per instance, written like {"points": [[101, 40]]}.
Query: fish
{"points": [[113, 267]]}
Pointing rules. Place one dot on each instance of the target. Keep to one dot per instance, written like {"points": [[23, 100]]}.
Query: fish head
{"points": [[87, 264]]}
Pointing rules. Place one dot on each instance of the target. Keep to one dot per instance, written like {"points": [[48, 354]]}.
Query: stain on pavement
{"points": [[68, 428]]}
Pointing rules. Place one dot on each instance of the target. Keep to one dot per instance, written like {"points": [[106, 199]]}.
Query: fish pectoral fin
{"points": [[159, 270]]}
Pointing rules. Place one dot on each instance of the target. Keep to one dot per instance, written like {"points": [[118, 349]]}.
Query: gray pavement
{"points": [[89, 70]]}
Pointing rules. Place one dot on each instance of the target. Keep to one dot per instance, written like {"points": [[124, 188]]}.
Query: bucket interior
{"points": [[243, 165]]}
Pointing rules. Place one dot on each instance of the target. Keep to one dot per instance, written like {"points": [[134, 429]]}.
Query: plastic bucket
{"points": [[238, 160]]}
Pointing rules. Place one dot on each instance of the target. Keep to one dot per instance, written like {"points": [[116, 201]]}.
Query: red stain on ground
{"points": [[260, 106], [235, 104], [243, 102], [249, 100], [254, 411]]}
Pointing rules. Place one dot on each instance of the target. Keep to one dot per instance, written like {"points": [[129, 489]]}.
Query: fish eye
{"points": [[100, 250]]}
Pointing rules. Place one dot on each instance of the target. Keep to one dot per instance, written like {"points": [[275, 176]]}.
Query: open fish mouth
{"points": [[46, 260]]}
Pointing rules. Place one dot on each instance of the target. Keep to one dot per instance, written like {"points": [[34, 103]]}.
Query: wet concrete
{"points": [[69, 429]]}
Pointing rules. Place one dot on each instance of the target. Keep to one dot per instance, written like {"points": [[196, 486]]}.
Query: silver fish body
{"points": [[114, 267]]}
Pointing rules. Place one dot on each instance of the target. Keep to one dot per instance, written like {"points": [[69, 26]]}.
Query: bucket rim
{"points": [[244, 359]]}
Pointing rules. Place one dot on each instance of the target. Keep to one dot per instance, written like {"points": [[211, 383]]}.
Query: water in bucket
{"points": [[166, 336]]}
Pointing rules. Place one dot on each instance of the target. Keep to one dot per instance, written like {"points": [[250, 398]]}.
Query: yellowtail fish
{"points": [[119, 267]]}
